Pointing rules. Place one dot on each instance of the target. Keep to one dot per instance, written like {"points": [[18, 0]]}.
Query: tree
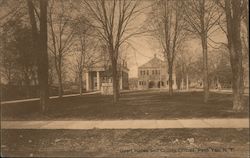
{"points": [[168, 25], [234, 11], [40, 46], [81, 57], [85, 53], [25, 57], [245, 19], [185, 60], [61, 35], [202, 17], [8, 51], [219, 68], [245, 44], [11, 13], [17, 59], [112, 19], [11, 9]]}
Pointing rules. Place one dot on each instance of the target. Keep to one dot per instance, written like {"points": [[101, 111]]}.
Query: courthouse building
{"points": [[100, 75], [153, 74]]}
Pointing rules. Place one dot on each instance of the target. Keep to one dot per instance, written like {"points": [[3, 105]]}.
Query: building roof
{"points": [[104, 64], [154, 63]]}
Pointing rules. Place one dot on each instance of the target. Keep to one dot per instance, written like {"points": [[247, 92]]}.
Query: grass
{"points": [[126, 143], [132, 105]]}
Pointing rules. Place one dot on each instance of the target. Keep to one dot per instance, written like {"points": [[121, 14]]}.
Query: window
{"points": [[153, 72], [143, 72], [147, 72]]}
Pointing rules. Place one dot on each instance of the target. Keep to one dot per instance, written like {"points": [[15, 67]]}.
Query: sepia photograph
{"points": [[124, 78]]}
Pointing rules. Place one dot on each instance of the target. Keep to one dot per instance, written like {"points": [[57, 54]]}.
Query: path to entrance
{"points": [[35, 99], [128, 124]]}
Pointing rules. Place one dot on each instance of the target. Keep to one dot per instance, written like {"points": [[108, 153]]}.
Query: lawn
{"points": [[126, 143], [132, 105]]}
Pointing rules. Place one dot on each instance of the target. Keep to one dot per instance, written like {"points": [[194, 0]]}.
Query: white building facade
{"points": [[153, 74]]}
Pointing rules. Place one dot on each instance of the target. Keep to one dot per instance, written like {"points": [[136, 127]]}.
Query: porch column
{"points": [[87, 81], [98, 80]]}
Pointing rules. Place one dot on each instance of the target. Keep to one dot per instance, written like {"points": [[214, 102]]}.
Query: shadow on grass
{"points": [[134, 105]]}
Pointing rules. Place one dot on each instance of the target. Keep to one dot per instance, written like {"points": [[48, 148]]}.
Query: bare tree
{"points": [[9, 19], [202, 17], [234, 11], [185, 60], [245, 43], [246, 22], [81, 30], [112, 19], [8, 52], [40, 45], [85, 53], [61, 36], [26, 63], [11, 9], [167, 24]]}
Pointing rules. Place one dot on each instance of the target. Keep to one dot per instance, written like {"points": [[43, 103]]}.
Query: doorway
{"points": [[151, 84]]}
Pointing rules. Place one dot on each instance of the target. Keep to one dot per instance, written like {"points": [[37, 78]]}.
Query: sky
{"points": [[144, 47]]}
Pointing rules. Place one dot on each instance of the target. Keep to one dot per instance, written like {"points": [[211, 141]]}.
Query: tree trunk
{"points": [[80, 83], [236, 64], [59, 75], [27, 84], [187, 82], [115, 82], [33, 78], [218, 83], [40, 46], [43, 60], [170, 79], [237, 89], [60, 88], [182, 76], [233, 18], [182, 83], [205, 68]]}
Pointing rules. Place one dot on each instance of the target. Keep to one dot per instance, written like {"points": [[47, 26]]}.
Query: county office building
{"points": [[153, 74]]}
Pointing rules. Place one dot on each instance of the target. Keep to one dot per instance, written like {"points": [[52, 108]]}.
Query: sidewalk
{"points": [[128, 124], [34, 99]]}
